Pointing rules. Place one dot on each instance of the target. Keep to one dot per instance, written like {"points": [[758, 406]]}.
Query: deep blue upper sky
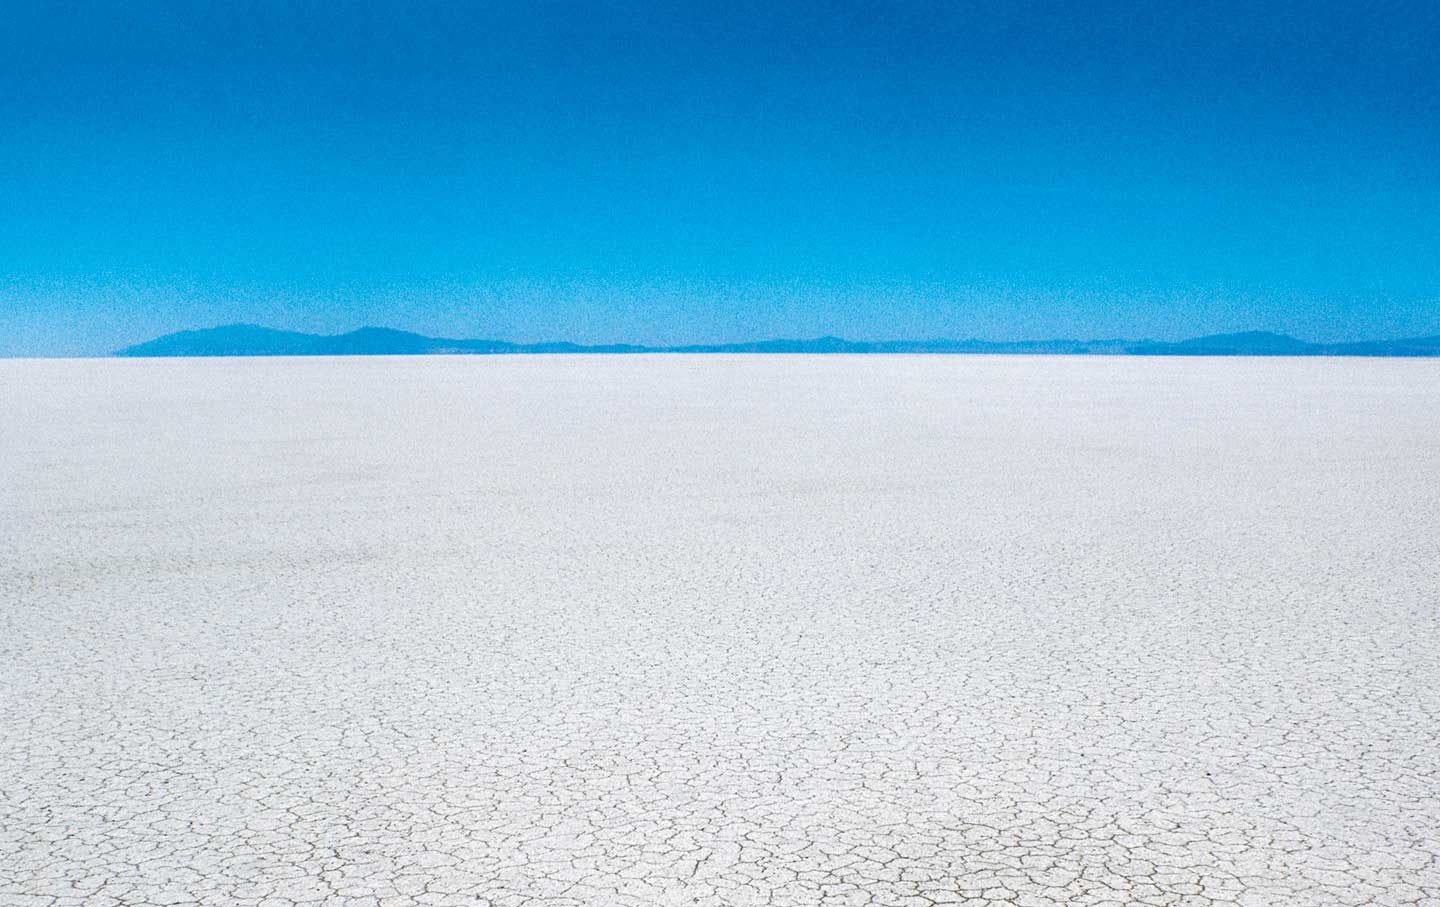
{"points": [[660, 173]]}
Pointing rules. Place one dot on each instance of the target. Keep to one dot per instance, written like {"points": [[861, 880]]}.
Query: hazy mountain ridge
{"points": [[253, 340]]}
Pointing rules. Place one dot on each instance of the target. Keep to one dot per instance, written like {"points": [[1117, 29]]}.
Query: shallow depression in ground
{"points": [[711, 630]]}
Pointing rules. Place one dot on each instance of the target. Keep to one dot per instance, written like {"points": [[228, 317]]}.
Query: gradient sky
{"points": [[670, 173]]}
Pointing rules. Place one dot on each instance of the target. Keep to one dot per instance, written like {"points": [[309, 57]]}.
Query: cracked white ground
{"points": [[719, 630]]}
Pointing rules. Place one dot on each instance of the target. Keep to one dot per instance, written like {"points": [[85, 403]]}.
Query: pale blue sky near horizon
{"points": [[687, 173]]}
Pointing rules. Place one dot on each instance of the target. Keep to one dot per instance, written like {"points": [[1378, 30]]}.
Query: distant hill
{"points": [[252, 340], [231, 340]]}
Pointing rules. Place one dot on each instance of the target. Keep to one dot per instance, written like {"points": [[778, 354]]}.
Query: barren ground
{"points": [[670, 630]]}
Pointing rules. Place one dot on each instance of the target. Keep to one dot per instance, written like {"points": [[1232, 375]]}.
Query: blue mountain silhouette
{"points": [[253, 340]]}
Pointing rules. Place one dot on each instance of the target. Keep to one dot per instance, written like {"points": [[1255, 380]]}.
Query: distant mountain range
{"points": [[252, 340]]}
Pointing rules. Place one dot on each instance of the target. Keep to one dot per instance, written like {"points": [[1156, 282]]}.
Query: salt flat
{"points": [[719, 630]]}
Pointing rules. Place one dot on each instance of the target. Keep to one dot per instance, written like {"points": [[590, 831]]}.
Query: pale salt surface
{"points": [[704, 630]]}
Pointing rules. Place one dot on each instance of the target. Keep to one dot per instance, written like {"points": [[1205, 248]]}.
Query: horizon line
{"points": [[248, 339]]}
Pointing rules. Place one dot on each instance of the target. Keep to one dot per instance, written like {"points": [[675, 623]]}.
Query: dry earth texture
{"points": [[670, 630]]}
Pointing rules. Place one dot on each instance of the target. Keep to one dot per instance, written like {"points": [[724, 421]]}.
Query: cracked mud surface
{"points": [[719, 630]]}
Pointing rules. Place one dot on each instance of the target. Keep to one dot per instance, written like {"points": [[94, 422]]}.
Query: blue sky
{"points": [[671, 173]]}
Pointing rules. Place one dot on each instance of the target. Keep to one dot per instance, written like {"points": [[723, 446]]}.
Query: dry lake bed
{"points": [[719, 630]]}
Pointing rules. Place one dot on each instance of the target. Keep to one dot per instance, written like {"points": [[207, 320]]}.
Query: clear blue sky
{"points": [[670, 173]]}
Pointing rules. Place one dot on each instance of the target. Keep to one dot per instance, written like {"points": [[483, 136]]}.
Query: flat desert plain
{"points": [[710, 630]]}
